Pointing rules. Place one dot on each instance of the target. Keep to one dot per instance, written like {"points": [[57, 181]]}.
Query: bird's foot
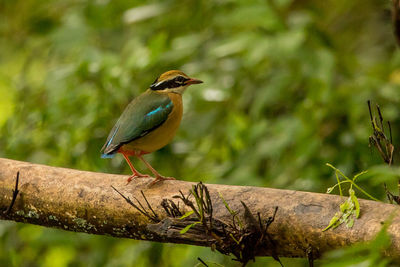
{"points": [[159, 179], [135, 176]]}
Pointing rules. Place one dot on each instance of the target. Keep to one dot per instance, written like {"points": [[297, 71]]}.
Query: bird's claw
{"points": [[159, 179], [135, 176]]}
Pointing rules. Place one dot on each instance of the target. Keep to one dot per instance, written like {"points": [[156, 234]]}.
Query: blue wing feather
{"points": [[159, 109], [114, 132]]}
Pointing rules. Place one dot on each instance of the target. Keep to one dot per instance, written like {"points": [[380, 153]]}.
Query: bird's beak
{"points": [[193, 81]]}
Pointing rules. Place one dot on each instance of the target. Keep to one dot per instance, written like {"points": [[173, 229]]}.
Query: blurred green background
{"points": [[285, 90]]}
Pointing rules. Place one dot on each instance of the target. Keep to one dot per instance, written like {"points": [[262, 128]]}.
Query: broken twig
{"points": [[14, 195]]}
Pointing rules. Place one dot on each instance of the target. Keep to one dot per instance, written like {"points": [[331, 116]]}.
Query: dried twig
{"points": [[242, 242], [310, 256], [380, 141], [171, 208], [200, 260], [265, 234], [378, 138], [155, 216], [141, 209], [14, 195]]}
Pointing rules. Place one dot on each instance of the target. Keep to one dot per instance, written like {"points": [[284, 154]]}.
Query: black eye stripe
{"points": [[180, 79], [173, 83]]}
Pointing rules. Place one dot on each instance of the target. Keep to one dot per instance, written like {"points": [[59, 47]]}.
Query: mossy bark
{"points": [[84, 201]]}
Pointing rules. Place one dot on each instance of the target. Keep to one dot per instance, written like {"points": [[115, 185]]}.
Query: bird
{"points": [[149, 122]]}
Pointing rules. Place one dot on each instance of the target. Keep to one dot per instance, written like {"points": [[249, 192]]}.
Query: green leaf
{"points": [[333, 223], [354, 199], [184, 230], [350, 222], [349, 211], [187, 214], [226, 205], [232, 212], [344, 206]]}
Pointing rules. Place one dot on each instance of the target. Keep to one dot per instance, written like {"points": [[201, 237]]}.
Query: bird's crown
{"points": [[172, 80]]}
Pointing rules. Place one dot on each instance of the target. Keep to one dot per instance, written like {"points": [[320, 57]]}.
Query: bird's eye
{"points": [[180, 79]]}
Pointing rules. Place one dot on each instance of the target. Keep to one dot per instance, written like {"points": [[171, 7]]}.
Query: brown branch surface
{"points": [[85, 202]]}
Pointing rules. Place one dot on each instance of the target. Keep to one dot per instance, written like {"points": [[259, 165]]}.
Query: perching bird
{"points": [[149, 122]]}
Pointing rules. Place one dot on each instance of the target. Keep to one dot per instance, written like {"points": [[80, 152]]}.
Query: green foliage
{"points": [[286, 85], [232, 212], [369, 254], [184, 230], [350, 209], [352, 182], [187, 214]]}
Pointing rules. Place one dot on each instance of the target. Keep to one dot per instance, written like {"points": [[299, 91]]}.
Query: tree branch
{"points": [[85, 202]]}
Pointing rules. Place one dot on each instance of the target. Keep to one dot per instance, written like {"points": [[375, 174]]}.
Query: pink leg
{"points": [[136, 174], [158, 176]]}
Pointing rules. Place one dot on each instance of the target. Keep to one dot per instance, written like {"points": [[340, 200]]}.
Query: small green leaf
{"points": [[344, 206], [184, 230], [187, 214], [354, 199], [350, 223], [232, 212], [329, 190], [333, 223], [350, 209], [226, 205]]}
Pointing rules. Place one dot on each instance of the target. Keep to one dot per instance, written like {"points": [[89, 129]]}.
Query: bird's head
{"points": [[173, 81]]}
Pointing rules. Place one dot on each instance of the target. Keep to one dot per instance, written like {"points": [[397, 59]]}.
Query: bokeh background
{"points": [[285, 91]]}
